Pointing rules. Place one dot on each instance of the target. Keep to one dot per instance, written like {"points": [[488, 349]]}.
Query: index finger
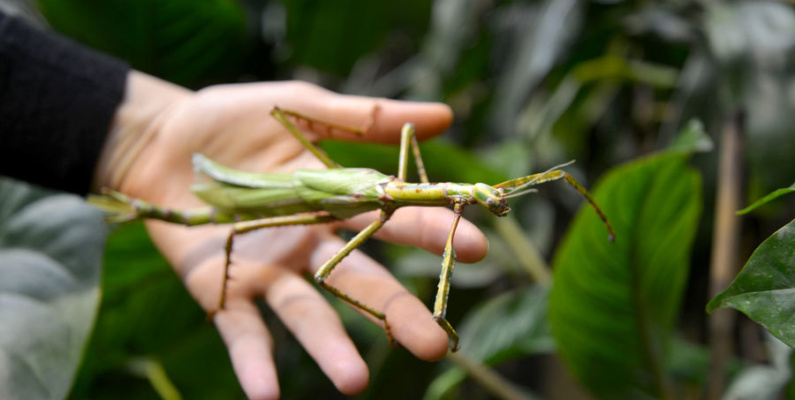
{"points": [[378, 119]]}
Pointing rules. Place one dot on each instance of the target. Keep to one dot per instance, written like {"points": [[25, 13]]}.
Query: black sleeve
{"points": [[57, 100]]}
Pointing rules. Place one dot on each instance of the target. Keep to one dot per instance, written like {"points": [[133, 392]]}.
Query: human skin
{"points": [[147, 155]]}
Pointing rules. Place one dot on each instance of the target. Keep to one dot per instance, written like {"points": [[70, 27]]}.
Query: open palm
{"points": [[231, 125]]}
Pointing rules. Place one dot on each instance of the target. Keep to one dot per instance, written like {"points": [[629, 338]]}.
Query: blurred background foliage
{"points": [[652, 86]]}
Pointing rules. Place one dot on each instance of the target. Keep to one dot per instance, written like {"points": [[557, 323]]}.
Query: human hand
{"points": [[148, 156]]}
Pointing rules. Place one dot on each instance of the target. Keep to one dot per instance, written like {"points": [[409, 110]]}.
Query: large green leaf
{"points": [[613, 305], [765, 288], [184, 41], [50, 261]]}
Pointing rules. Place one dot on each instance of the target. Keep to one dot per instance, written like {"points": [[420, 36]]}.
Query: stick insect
{"points": [[250, 201]]}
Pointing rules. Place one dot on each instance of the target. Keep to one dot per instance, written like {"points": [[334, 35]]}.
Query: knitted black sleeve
{"points": [[57, 101]]}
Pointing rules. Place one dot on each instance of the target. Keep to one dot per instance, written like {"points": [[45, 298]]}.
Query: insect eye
{"points": [[490, 198]]}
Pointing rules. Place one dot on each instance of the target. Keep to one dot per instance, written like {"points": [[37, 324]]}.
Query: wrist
{"points": [[134, 125]]}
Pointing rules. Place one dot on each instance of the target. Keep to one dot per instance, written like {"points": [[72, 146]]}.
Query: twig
{"points": [[486, 377], [524, 250], [726, 238]]}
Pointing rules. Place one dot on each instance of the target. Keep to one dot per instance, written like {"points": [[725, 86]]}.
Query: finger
{"points": [[381, 119], [366, 281], [319, 330], [250, 348], [428, 229]]}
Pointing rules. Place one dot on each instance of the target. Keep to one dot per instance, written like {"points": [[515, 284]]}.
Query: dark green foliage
{"points": [[183, 41], [333, 36]]}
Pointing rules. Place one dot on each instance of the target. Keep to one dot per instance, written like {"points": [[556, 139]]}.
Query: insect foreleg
{"points": [[443, 291], [408, 138], [325, 271], [281, 116], [331, 127]]}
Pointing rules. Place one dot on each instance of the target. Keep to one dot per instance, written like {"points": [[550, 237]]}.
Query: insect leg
{"points": [[119, 207], [408, 138], [248, 226], [443, 291], [331, 127], [325, 271], [281, 116]]}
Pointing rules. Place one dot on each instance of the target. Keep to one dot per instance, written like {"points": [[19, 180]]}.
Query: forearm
{"points": [[57, 100]]}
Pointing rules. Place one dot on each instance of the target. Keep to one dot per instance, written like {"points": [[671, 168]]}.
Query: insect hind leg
{"points": [[248, 226], [328, 267]]}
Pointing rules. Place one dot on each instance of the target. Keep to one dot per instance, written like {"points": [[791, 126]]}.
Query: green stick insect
{"points": [[252, 200]]}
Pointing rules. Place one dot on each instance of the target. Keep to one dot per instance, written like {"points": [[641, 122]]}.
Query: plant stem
{"points": [[524, 250], [486, 377], [726, 237]]}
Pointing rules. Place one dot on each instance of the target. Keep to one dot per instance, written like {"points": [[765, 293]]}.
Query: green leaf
{"points": [[765, 288], [613, 305], [770, 197], [50, 261], [183, 41]]}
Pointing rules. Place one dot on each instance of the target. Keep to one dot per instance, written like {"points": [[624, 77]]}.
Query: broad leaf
{"points": [[613, 305], [50, 261], [765, 288]]}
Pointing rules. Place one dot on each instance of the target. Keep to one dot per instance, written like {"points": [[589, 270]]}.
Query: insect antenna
{"points": [[519, 190], [515, 193]]}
